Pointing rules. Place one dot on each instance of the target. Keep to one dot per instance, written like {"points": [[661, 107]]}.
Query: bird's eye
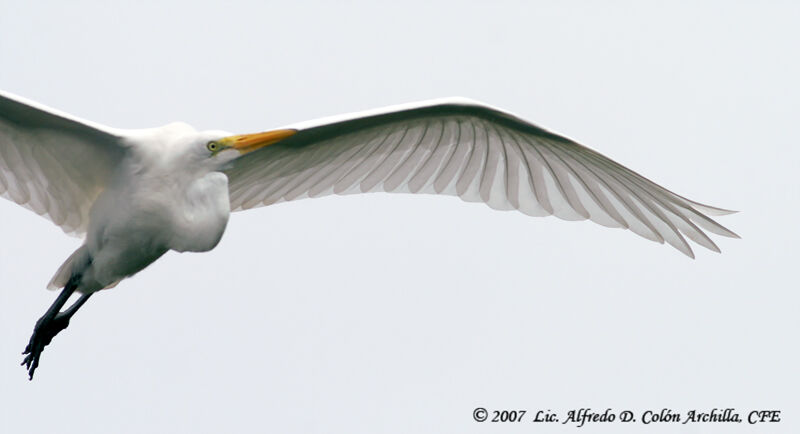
{"points": [[213, 146]]}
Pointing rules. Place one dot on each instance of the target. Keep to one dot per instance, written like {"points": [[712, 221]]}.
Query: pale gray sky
{"points": [[381, 313]]}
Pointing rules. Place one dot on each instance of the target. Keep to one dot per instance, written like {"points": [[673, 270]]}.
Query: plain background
{"points": [[396, 313]]}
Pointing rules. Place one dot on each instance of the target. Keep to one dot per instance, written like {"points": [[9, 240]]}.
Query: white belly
{"points": [[134, 225]]}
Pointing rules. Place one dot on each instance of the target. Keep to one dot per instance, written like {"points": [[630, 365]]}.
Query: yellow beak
{"points": [[250, 142]]}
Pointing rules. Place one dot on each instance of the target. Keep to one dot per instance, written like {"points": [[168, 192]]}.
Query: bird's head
{"points": [[215, 150]]}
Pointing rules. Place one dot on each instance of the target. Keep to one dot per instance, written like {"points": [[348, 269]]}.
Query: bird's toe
{"points": [[43, 334]]}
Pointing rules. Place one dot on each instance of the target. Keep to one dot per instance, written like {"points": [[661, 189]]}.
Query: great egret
{"points": [[135, 194]]}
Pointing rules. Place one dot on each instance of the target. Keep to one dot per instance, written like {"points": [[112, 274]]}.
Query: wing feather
{"points": [[460, 149], [348, 161], [490, 191], [365, 166], [604, 213], [53, 163], [466, 187], [633, 214], [423, 149], [389, 160], [436, 151]]}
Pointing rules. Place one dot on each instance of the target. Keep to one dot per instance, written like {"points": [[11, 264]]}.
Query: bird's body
{"points": [[136, 194], [149, 208]]}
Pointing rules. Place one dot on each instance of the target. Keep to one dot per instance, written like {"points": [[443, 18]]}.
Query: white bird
{"points": [[135, 194]]}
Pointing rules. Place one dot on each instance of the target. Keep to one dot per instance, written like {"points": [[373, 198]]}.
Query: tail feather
{"points": [[76, 261]]}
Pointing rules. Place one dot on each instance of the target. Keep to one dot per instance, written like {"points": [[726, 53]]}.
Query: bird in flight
{"points": [[132, 195]]}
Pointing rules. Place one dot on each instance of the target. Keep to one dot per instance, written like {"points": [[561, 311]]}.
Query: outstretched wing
{"points": [[459, 147], [53, 163]]}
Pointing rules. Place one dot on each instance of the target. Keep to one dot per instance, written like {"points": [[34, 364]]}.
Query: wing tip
{"points": [[712, 210]]}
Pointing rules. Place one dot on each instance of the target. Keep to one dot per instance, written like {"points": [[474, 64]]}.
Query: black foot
{"points": [[44, 331]]}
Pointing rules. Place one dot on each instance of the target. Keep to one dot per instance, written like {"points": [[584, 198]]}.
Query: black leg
{"points": [[49, 325]]}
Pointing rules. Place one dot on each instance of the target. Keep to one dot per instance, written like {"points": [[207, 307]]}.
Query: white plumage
{"points": [[463, 148], [136, 194]]}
